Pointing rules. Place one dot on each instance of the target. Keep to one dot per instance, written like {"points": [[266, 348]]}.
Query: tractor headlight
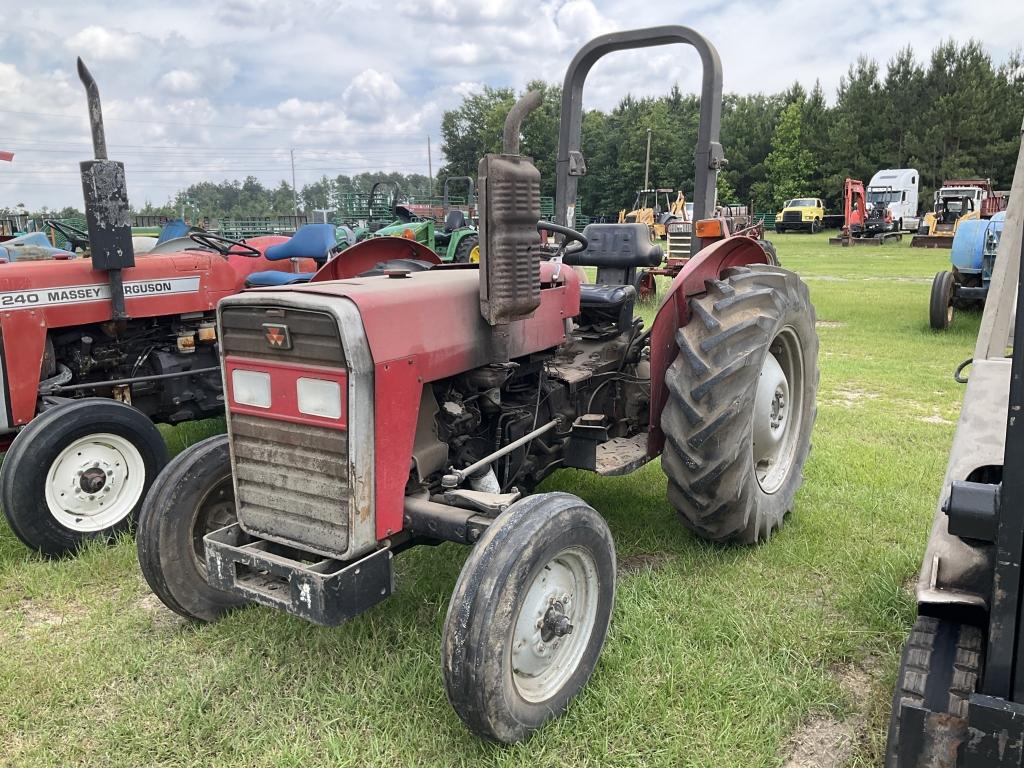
{"points": [[251, 388], [318, 397]]}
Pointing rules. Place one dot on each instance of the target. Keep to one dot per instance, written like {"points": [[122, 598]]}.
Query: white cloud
{"points": [[371, 95], [181, 81], [103, 44]]}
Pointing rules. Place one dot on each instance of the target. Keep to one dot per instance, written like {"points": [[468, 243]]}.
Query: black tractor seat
{"points": [[606, 310], [454, 221], [617, 250]]}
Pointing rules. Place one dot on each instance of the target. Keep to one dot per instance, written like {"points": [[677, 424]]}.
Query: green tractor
{"points": [[457, 241]]}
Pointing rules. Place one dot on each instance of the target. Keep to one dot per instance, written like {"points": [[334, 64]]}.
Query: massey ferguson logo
{"points": [[277, 335]]}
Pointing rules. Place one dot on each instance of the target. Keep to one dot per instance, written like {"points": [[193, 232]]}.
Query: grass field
{"points": [[717, 656]]}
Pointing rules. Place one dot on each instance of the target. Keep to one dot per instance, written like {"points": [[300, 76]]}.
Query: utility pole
{"points": [[295, 192], [647, 165], [430, 168]]}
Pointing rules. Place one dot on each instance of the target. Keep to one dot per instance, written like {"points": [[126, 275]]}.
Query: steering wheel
{"points": [[75, 236], [568, 236], [217, 243]]}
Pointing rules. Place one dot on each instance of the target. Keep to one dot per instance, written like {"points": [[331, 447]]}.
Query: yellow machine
{"points": [[955, 201], [655, 208]]}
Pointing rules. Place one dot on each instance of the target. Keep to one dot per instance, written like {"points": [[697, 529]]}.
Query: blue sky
{"points": [[219, 89]]}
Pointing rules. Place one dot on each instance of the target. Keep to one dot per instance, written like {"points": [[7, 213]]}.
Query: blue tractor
{"points": [[973, 256]]}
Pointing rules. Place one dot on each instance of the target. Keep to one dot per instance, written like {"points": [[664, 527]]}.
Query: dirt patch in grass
{"points": [[644, 561], [851, 397], [825, 741], [829, 324], [935, 419], [37, 615]]}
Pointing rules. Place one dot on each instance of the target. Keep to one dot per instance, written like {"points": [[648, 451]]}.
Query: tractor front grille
{"points": [[291, 479], [680, 240]]}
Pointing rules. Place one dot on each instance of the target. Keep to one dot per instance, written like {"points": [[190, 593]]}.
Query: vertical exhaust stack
{"points": [[106, 203], [509, 189]]}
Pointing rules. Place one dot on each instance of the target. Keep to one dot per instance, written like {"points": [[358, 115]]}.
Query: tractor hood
{"points": [[433, 317]]}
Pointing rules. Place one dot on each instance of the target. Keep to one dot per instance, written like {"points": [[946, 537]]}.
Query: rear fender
{"points": [[365, 255], [674, 313]]}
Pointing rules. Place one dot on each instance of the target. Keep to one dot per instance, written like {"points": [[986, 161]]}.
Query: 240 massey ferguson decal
{"points": [[77, 294]]}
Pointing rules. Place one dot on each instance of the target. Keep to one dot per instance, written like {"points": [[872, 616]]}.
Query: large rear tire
{"points": [[741, 404], [940, 306], [939, 671], [78, 472], [464, 250], [529, 615], [193, 496]]}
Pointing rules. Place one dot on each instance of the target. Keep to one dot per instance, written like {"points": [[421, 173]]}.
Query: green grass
{"points": [[715, 657]]}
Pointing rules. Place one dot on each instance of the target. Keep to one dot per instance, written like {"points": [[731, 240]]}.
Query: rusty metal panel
{"points": [[509, 256], [107, 214], [312, 336], [292, 482]]}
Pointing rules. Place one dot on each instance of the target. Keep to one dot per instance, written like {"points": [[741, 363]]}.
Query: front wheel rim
{"points": [[555, 623], [778, 411], [95, 482]]}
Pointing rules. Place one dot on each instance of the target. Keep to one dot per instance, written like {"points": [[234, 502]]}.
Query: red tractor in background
{"points": [[366, 415], [94, 350], [864, 224]]}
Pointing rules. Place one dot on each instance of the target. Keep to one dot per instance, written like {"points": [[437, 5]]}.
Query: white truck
{"points": [[897, 188]]}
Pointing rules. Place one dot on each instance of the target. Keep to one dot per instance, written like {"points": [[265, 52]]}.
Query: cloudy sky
{"points": [[224, 88]]}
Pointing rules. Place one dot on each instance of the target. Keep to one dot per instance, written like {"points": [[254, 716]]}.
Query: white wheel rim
{"points": [[778, 409], [95, 482], [564, 593]]}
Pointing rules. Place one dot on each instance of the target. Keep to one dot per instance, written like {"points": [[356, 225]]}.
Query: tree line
{"points": [[957, 114]]}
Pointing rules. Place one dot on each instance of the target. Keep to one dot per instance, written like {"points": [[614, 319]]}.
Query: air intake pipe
{"points": [[509, 209]]}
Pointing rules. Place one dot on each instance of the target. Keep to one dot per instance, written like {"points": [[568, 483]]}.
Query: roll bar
{"points": [[709, 158]]}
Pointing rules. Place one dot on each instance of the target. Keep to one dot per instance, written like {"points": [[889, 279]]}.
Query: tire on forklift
{"points": [[193, 496], [528, 616], [646, 286], [79, 471], [940, 306], [464, 250], [939, 671], [741, 404]]}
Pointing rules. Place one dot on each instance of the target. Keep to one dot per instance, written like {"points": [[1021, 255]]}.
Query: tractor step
{"points": [[931, 241], [312, 587], [622, 455]]}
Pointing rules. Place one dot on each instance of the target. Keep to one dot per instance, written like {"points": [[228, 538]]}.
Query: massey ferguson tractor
{"points": [[366, 415], [93, 350]]}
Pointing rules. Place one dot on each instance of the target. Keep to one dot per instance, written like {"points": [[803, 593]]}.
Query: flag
{"points": [[8, 156]]}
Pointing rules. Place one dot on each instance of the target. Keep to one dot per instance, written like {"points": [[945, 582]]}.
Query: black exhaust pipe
{"points": [[106, 203]]}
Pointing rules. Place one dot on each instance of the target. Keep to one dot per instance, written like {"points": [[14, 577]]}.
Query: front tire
{"points": [[741, 404], [528, 616], [940, 306], [79, 472], [939, 670], [815, 227], [193, 496]]}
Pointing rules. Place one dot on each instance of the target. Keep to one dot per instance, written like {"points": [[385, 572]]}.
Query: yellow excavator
{"points": [[655, 208]]}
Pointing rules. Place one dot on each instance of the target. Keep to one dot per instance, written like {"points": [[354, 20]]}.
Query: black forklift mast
{"points": [[1004, 666], [106, 203]]}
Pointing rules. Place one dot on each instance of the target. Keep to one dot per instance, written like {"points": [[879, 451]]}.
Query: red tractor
{"points": [[94, 350], [366, 415]]}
